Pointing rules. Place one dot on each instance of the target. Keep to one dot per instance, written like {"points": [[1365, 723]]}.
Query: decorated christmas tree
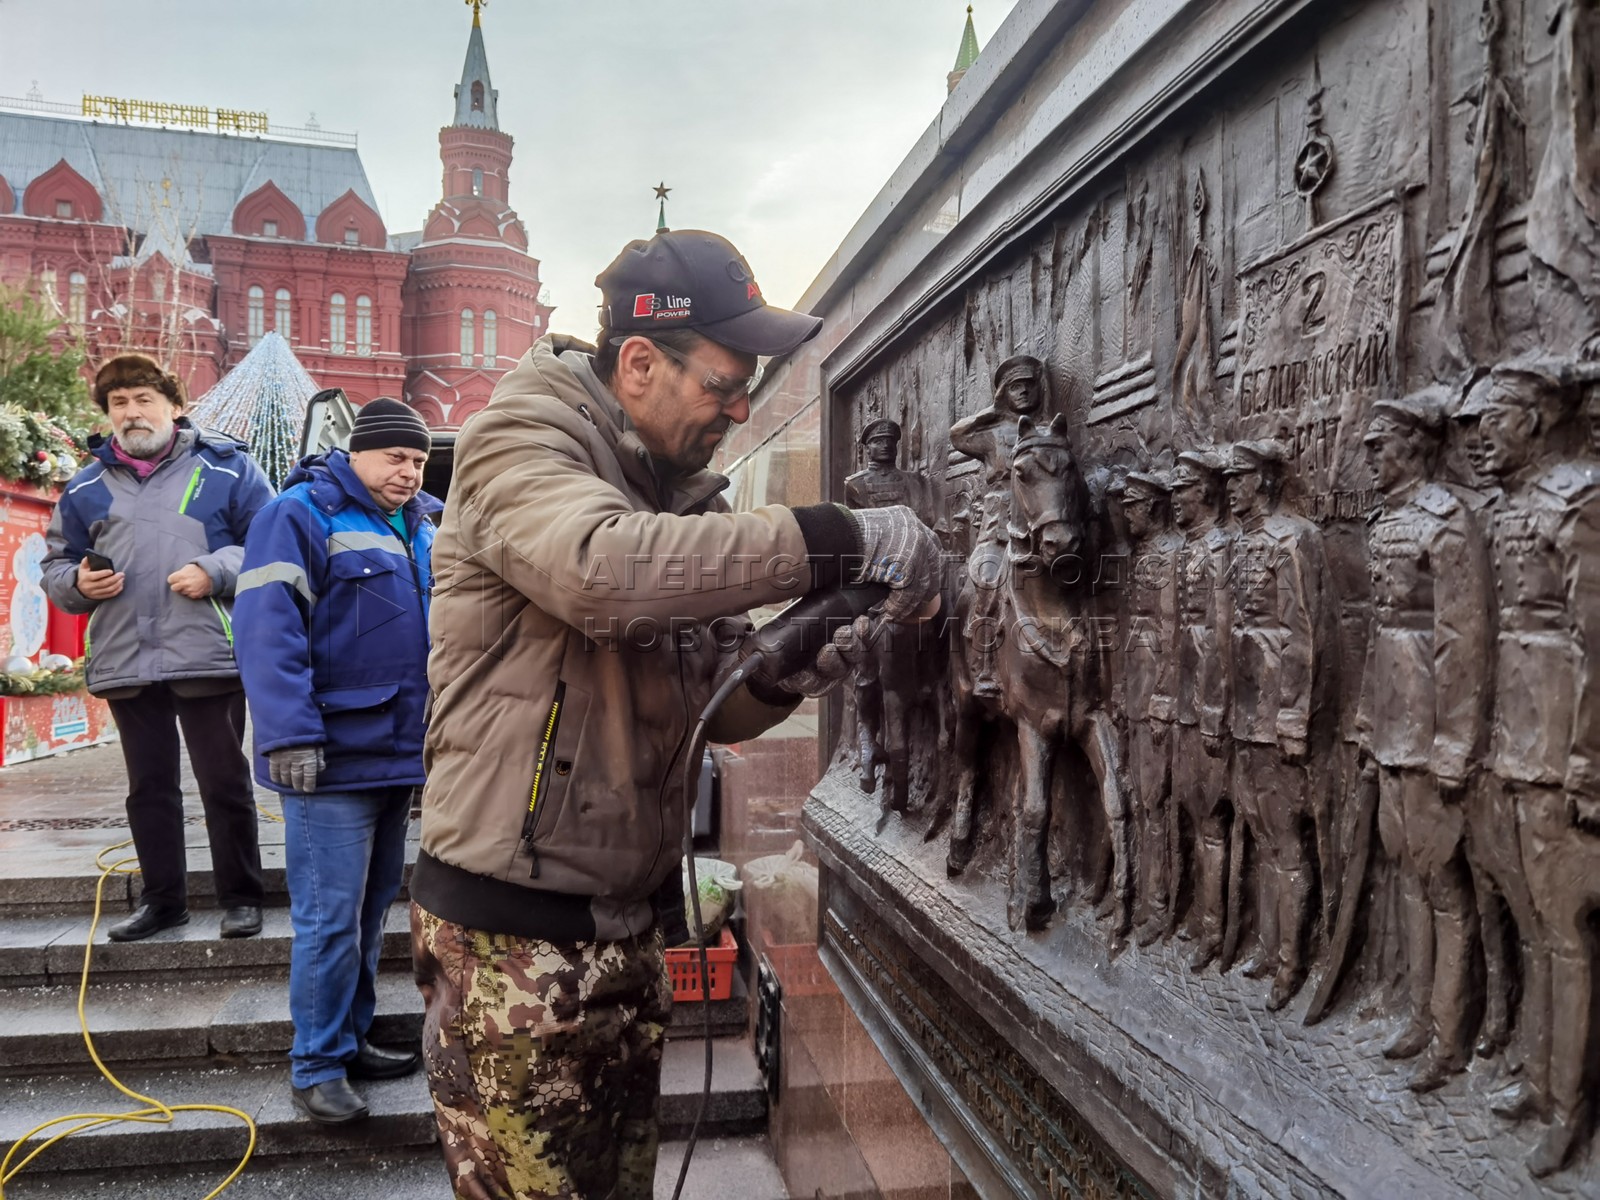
{"points": [[262, 401]]}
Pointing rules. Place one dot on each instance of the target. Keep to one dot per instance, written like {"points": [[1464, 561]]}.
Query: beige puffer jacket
{"points": [[572, 650]]}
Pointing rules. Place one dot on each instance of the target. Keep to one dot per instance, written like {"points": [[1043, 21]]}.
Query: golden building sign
{"points": [[191, 116]]}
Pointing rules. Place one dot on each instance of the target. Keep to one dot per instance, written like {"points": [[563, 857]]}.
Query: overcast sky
{"points": [[775, 122]]}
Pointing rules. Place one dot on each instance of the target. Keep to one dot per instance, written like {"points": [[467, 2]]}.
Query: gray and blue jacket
{"points": [[195, 507], [333, 627]]}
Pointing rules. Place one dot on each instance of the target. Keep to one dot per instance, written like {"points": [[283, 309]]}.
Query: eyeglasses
{"points": [[727, 389]]}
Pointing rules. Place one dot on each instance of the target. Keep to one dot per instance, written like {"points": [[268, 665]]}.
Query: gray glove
{"points": [[295, 767], [835, 661], [902, 552]]}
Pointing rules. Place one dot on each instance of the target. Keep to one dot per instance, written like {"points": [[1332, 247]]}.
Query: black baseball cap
{"points": [[691, 279]]}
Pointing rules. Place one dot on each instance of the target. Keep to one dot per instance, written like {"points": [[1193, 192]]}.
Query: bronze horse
{"points": [[1047, 688]]}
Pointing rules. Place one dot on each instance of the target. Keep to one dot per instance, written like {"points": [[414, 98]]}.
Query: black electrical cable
{"points": [[697, 743], [779, 649]]}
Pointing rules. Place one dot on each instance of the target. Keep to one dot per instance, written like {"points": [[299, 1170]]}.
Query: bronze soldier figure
{"points": [[885, 681], [882, 483], [1422, 719], [1494, 856], [1200, 785], [1280, 670], [990, 436], [1148, 694], [1545, 540]]}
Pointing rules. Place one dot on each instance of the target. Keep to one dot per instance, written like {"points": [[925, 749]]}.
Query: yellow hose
{"points": [[154, 1112]]}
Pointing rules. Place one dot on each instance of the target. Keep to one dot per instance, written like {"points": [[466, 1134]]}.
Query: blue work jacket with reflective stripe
{"points": [[194, 508], [331, 626]]}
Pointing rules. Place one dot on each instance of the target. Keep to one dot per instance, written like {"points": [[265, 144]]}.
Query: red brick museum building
{"points": [[153, 230]]}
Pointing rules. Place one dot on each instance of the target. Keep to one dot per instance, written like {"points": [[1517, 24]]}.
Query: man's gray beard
{"points": [[145, 444]]}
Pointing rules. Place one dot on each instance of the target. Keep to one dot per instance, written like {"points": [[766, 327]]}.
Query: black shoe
{"points": [[374, 1062], [147, 919], [243, 921], [333, 1102]]}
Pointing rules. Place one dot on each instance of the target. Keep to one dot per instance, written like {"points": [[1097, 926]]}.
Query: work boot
{"points": [[332, 1102], [242, 921], [147, 919], [375, 1062]]}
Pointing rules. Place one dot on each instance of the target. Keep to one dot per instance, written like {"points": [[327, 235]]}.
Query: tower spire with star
{"points": [[661, 212]]}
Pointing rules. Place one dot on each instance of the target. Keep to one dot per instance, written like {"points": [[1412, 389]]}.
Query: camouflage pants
{"points": [[544, 1060]]}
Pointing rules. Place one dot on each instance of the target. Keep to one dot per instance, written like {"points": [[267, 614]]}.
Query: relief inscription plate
{"points": [[1319, 339]]}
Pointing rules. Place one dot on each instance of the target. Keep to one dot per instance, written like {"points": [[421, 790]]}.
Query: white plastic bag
{"points": [[783, 895], [718, 882]]}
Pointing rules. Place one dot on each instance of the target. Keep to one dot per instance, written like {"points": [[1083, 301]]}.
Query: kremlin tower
{"points": [[471, 295]]}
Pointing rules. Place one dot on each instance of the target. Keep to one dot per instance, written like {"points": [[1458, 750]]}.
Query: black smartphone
{"points": [[99, 562]]}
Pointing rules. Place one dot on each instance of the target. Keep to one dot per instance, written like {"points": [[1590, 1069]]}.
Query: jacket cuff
{"points": [[833, 539], [214, 571]]}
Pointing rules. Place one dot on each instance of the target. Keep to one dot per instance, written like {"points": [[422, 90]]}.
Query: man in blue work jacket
{"points": [[331, 623]]}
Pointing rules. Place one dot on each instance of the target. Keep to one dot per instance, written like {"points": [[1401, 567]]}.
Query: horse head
{"points": [[1047, 493]]}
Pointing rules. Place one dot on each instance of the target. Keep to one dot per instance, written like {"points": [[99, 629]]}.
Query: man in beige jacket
{"points": [[590, 581]]}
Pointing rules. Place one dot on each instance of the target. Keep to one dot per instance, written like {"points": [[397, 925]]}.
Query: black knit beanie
{"points": [[384, 423]]}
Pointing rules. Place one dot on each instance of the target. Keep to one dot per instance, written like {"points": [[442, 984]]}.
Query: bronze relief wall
{"points": [[1264, 712]]}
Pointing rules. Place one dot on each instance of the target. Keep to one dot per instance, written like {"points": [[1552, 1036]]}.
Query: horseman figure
{"points": [[1041, 668]]}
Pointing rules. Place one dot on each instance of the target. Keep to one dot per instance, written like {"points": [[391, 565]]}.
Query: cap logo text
{"points": [[673, 308], [644, 305]]}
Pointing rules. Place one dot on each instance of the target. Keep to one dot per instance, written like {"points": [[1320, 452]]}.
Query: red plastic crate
{"points": [[683, 964]]}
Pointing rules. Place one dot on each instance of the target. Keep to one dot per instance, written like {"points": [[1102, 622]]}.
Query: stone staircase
{"points": [[188, 1017]]}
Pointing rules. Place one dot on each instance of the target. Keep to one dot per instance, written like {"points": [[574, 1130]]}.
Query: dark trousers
{"points": [[213, 727]]}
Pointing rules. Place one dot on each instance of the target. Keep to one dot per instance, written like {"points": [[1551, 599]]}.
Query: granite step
{"points": [[195, 1021], [402, 1113], [45, 950], [722, 1167], [41, 877]]}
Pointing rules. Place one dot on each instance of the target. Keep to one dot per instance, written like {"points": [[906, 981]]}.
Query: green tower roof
{"points": [[968, 54]]}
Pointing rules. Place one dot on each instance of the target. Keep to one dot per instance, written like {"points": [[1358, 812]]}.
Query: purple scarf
{"points": [[142, 466]]}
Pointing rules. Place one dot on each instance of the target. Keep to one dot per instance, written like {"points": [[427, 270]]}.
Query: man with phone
{"points": [[148, 539]]}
